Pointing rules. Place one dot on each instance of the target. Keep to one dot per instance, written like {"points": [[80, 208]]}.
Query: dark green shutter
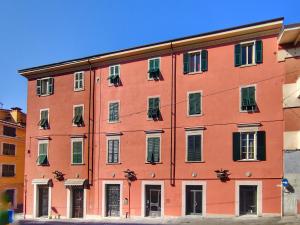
{"points": [[251, 94], [258, 51], [156, 145], [204, 60], [51, 85], [244, 98], [77, 152], [110, 151], [186, 63], [116, 151], [38, 87], [194, 103], [151, 65], [194, 148], [237, 55], [149, 149], [261, 145], [236, 143]]}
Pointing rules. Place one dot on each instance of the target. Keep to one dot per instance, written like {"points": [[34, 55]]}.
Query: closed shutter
{"points": [[236, 144], [244, 98], [194, 148], [38, 87], [194, 103], [186, 63], [151, 64], [44, 115], [9, 149], [237, 55], [258, 51], [116, 151], [114, 111], [204, 60], [251, 94], [150, 150], [77, 152], [153, 149], [51, 86], [117, 70], [156, 146], [110, 151], [261, 145]]}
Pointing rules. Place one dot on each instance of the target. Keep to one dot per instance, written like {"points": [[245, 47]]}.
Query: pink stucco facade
{"points": [[220, 118]]}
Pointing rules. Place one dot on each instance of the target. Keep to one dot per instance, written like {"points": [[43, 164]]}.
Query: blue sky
{"points": [[35, 32]]}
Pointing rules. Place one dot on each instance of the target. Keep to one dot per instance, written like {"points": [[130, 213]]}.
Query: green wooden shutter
{"points": [[110, 151], [51, 85], [204, 60], [194, 148], [244, 98], [237, 55], [44, 115], [259, 51], [38, 87], [114, 111], [194, 103], [191, 104], [186, 63], [156, 146], [116, 151], [77, 152], [150, 149], [236, 143], [151, 65], [157, 62], [261, 145], [251, 96], [117, 70]]}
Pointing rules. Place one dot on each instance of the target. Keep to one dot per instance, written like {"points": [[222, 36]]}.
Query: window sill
{"points": [[74, 125], [78, 90], [113, 163], [247, 65], [8, 155], [44, 95], [194, 73], [194, 161], [196, 115], [77, 164], [248, 160], [248, 111], [153, 163], [44, 128], [112, 122]]}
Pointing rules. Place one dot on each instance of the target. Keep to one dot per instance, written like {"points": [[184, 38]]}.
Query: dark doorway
{"points": [[112, 199], [193, 200], [248, 200], [77, 202], [43, 192], [153, 200], [11, 196]]}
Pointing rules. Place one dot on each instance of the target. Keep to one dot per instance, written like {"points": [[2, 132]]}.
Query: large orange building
{"points": [[12, 155], [191, 126]]}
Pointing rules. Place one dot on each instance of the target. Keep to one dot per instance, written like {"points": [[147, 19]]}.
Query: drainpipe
{"points": [[90, 181]]}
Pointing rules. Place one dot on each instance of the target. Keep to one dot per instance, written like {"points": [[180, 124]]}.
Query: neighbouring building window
{"points": [[43, 153], [10, 193], [45, 86], [154, 68], [113, 111], [9, 131], [114, 75], [248, 53], [78, 81], [249, 145], [8, 170], [113, 150], [194, 147], [9, 149], [77, 151], [194, 104], [153, 108], [248, 102], [153, 149], [44, 119], [78, 115], [195, 61]]}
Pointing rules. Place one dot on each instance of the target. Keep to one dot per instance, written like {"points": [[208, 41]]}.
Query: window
{"points": [[153, 149], [113, 150], [248, 102], [250, 145], [154, 68], [8, 170], [113, 112], [44, 119], [9, 131], [194, 103], [78, 81], [43, 153], [153, 108], [77, 149], [45, 86], [78, 115], [114, 75], [248, 53], [195, 62], [194, 146], [9, 149]]}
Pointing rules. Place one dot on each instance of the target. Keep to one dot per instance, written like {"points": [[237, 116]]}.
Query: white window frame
{"points": [[109, 72], [2, 148], [74, 106], [104, 183], [187, 134], [188, 103], [43, 142], [41, 110], [246, 43], [240, 97], [159, 59], [255, 145], [47, 88], [148, 98], [193, 52], [116, 137], [10, 164], [75, 80], [154, 135], [82, 145], [119, 108]]}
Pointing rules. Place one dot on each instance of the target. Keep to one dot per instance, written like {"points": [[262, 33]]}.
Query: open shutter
{"points": [[156, 103], [237, 55], [51, 86], [38, 87], [244, 98], [186, 63], [261, 145], [258, 51], [236, 143], [151, 64], [204, 60]]}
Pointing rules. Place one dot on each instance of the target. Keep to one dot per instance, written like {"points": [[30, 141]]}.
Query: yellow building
{"points": [[12, 155]]}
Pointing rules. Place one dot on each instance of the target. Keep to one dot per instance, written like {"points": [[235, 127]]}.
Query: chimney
{"points": [[16, 114]]}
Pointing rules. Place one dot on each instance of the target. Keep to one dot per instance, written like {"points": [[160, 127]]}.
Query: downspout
{"points": [[89, 123]]}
